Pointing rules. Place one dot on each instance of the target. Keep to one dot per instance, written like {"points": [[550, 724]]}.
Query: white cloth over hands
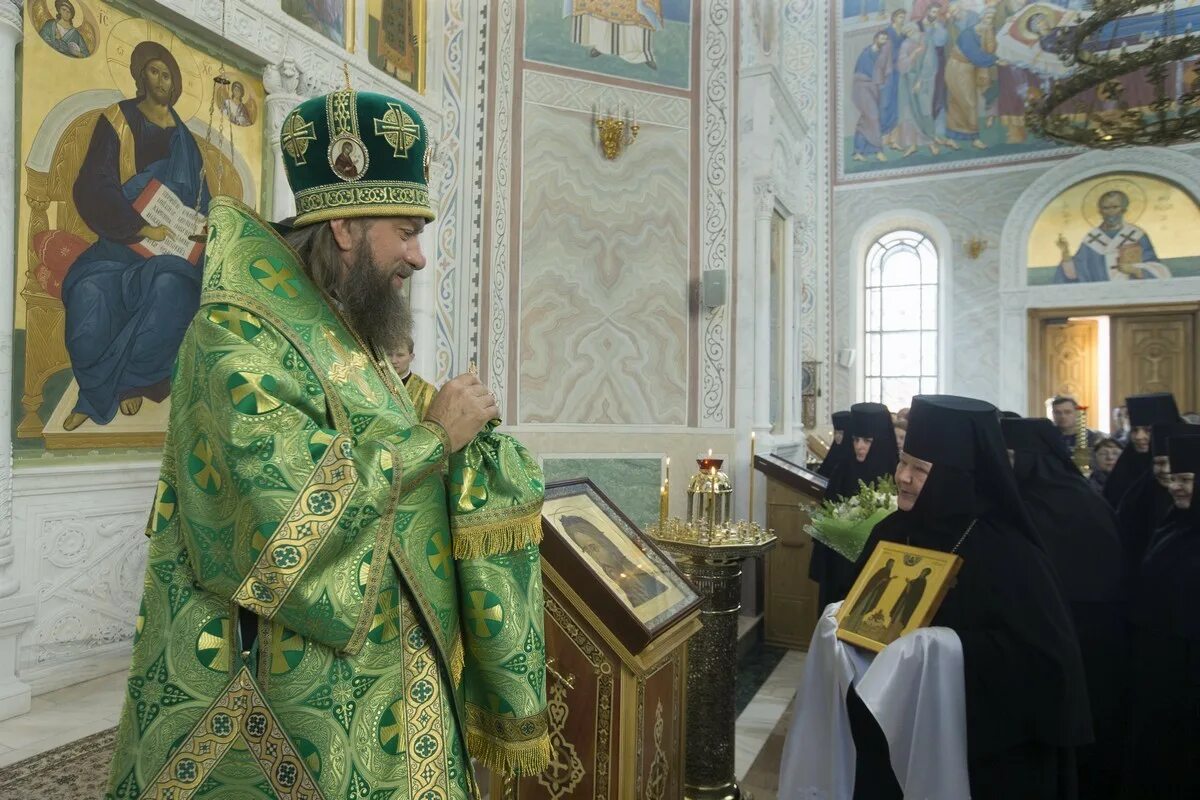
{"points": [[915, 691]]}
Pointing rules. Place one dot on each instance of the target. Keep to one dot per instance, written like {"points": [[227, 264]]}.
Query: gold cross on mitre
{"points": [[348, 367]]}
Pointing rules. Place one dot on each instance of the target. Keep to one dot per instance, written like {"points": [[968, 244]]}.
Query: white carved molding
{"points": [[83, 553], [500, 250], [716, 203], [17, 609]]}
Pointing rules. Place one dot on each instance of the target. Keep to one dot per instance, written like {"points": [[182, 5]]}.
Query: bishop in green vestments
{"points": [[343, 597]]}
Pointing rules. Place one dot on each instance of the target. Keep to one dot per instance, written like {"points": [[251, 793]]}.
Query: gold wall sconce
{"points": [[617, 133], [974, 247]]}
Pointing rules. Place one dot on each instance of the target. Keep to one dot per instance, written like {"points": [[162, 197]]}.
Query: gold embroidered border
{"points": [[297, 540], [426, 746], [379, 197], [239, 715]]}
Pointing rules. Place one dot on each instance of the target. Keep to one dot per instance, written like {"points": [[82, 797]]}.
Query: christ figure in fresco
{"points": [[1114, 250], [127, 303], [638, 585]]}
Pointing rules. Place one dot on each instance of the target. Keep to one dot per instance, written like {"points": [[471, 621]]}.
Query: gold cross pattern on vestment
{"points": [[398, 129], [348, 367], [296, 135]]}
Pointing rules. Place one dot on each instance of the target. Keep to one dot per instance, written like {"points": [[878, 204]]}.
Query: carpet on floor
{"points": [[78, 770]]}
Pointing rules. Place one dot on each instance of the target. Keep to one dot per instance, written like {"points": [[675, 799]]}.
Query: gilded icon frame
{"points": [[614, 567]]}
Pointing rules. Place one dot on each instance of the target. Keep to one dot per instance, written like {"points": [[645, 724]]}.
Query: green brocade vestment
{"points": [[396, 588]]}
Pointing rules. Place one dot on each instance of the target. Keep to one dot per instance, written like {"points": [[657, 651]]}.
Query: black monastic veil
{"points": [[1026, 700]]}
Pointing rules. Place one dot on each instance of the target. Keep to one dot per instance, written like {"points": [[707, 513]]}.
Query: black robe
{"points": [[1163, 759], [1079, 532], [833, 573], [1142, 510], [1130, 467], [1026, 699]]}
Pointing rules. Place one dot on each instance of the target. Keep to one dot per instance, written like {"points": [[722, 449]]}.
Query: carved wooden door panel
{"points": [[1155, 353], [1069, 362]]}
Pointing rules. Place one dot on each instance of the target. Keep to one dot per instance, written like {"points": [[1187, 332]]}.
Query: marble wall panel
{"points": [[603, 285]]}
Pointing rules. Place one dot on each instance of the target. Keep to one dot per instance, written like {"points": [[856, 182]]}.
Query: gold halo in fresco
{"points": [[126, 35], [1135, 192]]}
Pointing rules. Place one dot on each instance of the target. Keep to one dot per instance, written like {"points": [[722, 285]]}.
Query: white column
{"points": [[282, 82], [764, 206], [16, 608]]}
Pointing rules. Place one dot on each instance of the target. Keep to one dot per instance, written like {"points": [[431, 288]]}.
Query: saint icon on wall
{"points": [[68, 31], [1118, 226], [1113, 250], [235, 106], [130, 296]]}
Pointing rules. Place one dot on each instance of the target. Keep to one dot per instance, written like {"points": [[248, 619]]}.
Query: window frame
{"points": [[885, 242]]}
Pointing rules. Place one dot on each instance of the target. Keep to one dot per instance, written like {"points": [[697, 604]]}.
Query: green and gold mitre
{"points": [[356, 154]]}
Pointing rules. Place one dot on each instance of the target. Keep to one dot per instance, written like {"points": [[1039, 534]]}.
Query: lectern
{"points": [[618, 618]]}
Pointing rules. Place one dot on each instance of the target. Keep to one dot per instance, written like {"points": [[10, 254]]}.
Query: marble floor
{"points": [[769, 680], [57, 718]]}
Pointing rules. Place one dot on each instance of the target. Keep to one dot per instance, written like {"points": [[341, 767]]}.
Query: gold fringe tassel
{"points": [[527, 758], [457, 660], [492, 540]]}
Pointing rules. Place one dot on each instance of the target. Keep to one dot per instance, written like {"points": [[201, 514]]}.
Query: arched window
{"points": [[901, 318]]}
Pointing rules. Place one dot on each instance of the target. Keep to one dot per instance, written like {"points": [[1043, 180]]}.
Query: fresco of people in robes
{"points": [[642, 40], [926, 85], [120, 166], [1115, 227], [326, 17], [396, 40]]}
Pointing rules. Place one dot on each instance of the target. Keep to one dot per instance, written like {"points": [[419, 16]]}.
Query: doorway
{"points": [[1102, 355]]}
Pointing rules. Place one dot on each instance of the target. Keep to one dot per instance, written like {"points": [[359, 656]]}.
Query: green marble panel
{"points": [[631, 483]]}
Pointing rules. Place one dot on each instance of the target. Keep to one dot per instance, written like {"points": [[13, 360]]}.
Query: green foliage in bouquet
{"points": [[844, 526]]}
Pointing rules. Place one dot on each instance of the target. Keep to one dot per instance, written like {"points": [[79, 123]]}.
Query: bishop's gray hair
{"points": [[319, 254]]}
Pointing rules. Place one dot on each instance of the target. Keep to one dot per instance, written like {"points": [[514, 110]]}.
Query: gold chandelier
{"points": [[1091, 106]]}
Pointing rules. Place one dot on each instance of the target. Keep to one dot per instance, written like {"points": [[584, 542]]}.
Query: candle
{"points": [[667, 489], [662, 509], [712, 523], [750, 513]]}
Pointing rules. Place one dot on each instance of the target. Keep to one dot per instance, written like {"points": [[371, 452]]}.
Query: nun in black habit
{"points": [[1026, 698], [1147, 503], [874, 455], [1079, 532], [1145, 411], [1164, 732], [840, 450]]}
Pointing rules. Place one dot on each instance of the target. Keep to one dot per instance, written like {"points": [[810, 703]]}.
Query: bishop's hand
{"points": [[463, 407]]}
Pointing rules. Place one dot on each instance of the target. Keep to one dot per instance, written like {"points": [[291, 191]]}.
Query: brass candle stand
{"points": [[1082, 454], [710, 549]]}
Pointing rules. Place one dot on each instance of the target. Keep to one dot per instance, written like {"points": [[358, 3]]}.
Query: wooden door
{"points": [[1154, 353], [1069, 352], [791, 608]]}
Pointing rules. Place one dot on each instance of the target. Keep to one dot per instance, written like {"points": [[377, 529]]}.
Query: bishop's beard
{"points": [[375, 308]]}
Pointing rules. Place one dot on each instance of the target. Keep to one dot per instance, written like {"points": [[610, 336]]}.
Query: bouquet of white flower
{"points": [[845, 526]]}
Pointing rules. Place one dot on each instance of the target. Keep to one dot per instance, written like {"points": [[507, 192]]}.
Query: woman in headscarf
{"points": [[1145, 411], [1079, 532], [1164, 731], [840, 449], [874, 455], [1026, 698], [1146, 505]]}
